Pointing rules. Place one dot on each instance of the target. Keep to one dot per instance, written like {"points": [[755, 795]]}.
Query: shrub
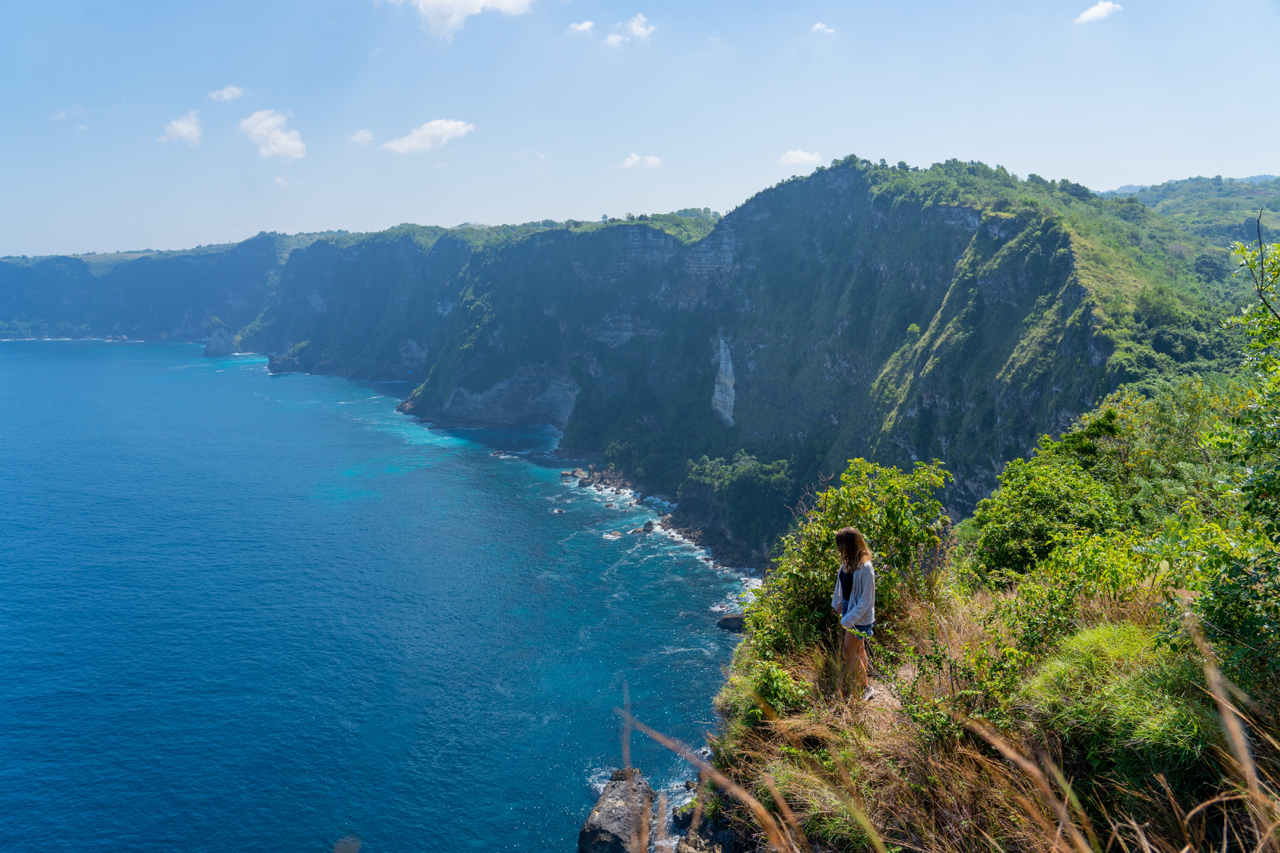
{"points": [[1109, 569], [775, 686], [1152, 451], [758, 690], [1239, 610], [1037, 503], [755, 494], [904, 523], [1240, 602]]}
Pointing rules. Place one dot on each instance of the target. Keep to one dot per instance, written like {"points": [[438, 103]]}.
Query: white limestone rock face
{"points": [[722, 398]]}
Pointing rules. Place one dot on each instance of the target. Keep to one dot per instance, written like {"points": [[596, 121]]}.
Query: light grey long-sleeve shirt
{"points": [[862, 598]]}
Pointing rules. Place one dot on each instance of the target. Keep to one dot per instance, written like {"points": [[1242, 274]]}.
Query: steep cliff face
{"points": [[157, 295], [954, 313], [859, 312], [535, 394], [375, 309]]}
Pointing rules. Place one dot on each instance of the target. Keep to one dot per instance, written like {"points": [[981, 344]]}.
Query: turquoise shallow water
{"points": [[252, 612]]}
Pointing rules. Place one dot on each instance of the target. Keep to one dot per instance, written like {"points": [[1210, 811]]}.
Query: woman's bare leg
{"points": [[855, 657]]}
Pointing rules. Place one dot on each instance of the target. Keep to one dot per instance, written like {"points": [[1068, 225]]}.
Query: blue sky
{"points": [[504, 111]]}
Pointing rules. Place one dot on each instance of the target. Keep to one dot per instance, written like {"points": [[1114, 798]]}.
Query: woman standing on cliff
{"points": [[854, 599]]}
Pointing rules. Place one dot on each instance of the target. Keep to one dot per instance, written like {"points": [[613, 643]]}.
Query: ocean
{"points": [[250, 612]]}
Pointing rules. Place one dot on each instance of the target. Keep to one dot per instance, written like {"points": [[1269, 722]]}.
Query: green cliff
{"points": [[955, 312], [898, 314]]}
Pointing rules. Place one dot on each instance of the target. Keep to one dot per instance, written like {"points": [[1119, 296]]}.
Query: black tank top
{"points": [[846, 584]]}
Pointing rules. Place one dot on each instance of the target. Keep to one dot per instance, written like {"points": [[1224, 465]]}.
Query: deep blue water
{"points": [[251, 612]]}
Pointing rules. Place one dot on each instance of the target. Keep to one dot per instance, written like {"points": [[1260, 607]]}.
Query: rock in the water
{"points": [[219, 340], [732, 622], [648, 527], [618, 815]]}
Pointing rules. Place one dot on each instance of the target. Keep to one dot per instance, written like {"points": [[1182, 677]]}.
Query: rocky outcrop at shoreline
{"points": [[617, 822]]}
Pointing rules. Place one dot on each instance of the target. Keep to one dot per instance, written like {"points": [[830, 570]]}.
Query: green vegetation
{"points": [[21, 327], [1222, 210], [1126, 709], [894, 313], [896, 509], [889, 339], [1058, 629], [756, 496], [1038, 504], [1240, 604]]}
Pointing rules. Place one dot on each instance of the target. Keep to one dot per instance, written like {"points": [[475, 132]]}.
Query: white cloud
{"points": [[1098, 11], [59, 115], [186, 129], [280, 181], [613, 40], [445, 17], [362, 137], [582, 29], [266, 127], [227, 93], [636, 160], [822, 28], [796, 157], [639, 27], [430, 136]]}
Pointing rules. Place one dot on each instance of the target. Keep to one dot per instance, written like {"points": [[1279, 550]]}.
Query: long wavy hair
{"points": [[852, 547]]}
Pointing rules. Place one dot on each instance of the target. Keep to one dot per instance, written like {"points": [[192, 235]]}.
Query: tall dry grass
{"points": [[990, 792], [841, 774]]}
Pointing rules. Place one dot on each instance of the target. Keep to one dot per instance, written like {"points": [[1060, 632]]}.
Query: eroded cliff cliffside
{"points": [[956, 312]]}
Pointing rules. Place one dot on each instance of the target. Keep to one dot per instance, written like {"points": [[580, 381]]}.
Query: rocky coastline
{"points": [[702, 529], [624, 818]]}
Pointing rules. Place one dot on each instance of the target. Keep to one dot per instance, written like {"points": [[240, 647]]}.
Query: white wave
{"points": [[598, 777]]}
